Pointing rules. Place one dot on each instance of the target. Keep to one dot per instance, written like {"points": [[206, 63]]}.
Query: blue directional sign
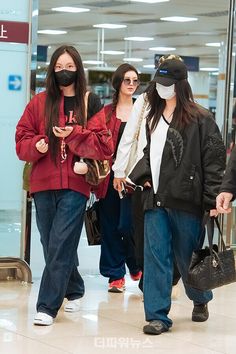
{"points": [[14, 82]]}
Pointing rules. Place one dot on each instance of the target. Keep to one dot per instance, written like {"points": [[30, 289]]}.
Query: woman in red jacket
{"points": [[50, 133], [117, 247]]}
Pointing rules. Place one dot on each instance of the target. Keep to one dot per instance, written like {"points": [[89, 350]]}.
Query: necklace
{"points": [[169, 117]]}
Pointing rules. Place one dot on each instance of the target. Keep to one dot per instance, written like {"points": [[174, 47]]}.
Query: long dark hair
{"points": [[54, 96], [117, 79], [185, 111]]}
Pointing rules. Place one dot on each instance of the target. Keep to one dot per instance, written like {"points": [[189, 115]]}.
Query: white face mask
{"points": [[166, 92]]}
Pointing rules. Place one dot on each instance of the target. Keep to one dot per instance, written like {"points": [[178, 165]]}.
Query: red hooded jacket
{"points": [[93, 142]]}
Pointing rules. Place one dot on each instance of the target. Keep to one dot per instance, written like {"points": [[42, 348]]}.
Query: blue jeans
{"points": [[169, 233], [117, 246], [59, 217]]}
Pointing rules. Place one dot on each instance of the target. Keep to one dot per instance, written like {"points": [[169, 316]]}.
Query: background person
{"points": [[181, 171], [228, 186], [49, 134], [119, 168], [115, 215]]}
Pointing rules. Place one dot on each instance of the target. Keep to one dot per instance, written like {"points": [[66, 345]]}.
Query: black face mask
{"points": [[65, 77]]}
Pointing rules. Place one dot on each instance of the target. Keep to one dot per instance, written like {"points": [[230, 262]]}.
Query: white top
{"points": [[124, 147], [158, 139]]}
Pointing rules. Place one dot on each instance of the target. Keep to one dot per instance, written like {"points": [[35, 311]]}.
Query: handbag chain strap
{"points": [[86, 107], [136, 135]]}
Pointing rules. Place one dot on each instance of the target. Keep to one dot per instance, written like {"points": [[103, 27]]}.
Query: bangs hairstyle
{"points": [[54, 95], [117, 79], [185, 111]]}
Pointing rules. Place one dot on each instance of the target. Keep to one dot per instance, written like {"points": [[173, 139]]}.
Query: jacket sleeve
{"points": [[94, 141], [124, 147], [229, 179], [213, 161], [27, 133]]}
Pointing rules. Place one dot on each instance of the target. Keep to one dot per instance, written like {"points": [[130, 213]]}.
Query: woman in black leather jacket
{"points": [[181, 171]]}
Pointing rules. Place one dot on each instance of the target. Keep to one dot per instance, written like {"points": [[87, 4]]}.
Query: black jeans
{"points": [[117, 246]]}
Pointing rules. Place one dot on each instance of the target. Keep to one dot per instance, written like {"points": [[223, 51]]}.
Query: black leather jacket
{"points": [[229, 180], [192, 167]]}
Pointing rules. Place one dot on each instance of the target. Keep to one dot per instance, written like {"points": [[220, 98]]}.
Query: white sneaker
{"points": [[43, 319], [72, 306]]}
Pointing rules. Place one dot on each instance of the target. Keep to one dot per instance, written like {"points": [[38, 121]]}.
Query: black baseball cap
{"points": [[171, 71]]}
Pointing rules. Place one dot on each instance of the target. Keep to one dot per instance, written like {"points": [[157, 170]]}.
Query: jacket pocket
{"points": [[186, 185], [195, 186]]}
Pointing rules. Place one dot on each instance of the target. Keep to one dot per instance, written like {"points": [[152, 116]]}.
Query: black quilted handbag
{"points": [[211, 267]]}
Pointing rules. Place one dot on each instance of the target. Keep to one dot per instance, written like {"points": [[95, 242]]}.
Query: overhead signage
{"points": [[16, 32], [192, 63], [14, 82], [42, 52]]}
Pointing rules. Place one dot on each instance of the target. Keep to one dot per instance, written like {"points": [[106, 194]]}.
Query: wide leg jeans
{"points": [[59, 216], [169, 233]]}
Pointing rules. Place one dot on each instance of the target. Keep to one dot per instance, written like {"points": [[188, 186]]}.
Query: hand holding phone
{"points": [[62, 132], [59, 129], [122, 193]]}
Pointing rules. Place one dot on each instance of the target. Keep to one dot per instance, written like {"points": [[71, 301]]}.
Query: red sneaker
{"points": [[117, 286], [136, 276]]}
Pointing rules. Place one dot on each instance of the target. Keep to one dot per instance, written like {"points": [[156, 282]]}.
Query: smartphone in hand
{"points": [[122, 193], [59, 129]]}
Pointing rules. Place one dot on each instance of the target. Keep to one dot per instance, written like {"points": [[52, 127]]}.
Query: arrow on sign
{"points": [[14, 82]]}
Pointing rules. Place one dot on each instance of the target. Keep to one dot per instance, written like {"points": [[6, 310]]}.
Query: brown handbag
{"points": [[98, 170]]}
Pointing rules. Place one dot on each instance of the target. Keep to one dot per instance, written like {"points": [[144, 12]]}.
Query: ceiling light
{"points": [[209, 69], [93, 62], [149, 66], [133, 59], [51, 32], [70, 9], [179, 19], [216, 44], [112, 52], [150, 1], [162, 49], [109, 25], [139, 39]]}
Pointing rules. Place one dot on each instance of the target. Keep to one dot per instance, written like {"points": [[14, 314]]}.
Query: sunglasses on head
{"points": [[128, 82]]}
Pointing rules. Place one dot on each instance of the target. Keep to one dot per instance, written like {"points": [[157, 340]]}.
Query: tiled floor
{"points": [[106, 323], [112, 323]]}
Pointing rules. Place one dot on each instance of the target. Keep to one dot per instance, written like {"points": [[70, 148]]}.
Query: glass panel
{"points": [[231, 135], [13, 97]]}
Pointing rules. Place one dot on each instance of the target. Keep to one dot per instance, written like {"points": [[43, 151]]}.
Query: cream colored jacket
{"points": [[124, 147]]}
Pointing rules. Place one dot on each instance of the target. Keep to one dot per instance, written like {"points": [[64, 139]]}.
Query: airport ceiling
{"points": [[142, 19]]}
